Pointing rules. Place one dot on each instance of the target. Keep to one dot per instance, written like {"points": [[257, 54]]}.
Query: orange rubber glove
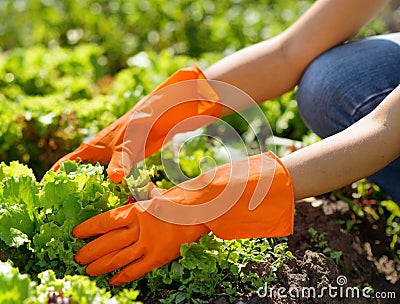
{"points": [[161, 110], [248, 198]]}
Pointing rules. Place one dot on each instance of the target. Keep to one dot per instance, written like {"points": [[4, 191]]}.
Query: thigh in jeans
{"points": [[346, 83]]}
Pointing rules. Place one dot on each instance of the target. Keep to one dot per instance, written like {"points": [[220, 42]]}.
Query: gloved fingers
{"points": [[105, 244], [102, 223], [115, 260], [133, 271], [95, 153], [115, 168]]}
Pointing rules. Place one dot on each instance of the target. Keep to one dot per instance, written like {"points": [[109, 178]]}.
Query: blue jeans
{"points": [[346, 83]]}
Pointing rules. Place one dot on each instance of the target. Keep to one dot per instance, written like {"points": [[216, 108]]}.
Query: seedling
{"points": [[319, 241]]}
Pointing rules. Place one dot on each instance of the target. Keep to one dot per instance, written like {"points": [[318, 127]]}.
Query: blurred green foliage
{"points": [[69, 68], [66, 96], [126, 27]]}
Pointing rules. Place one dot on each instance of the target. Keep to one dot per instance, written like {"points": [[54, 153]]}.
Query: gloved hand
{"points": [[173, 101], [248, 198]]}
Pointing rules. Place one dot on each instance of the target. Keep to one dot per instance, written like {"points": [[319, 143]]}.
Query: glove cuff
{"points": [[274, 214], [249, 198]]}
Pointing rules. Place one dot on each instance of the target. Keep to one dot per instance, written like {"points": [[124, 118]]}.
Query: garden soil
{"points": [[366, 260]]}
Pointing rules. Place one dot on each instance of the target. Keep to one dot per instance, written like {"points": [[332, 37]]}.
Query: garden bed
{"points": [[365, 259]]}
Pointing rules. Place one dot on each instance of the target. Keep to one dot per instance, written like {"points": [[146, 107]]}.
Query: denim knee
{"points": [[346, 83]]}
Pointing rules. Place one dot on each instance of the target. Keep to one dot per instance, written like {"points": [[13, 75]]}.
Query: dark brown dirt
{"points": [[365, 259]]}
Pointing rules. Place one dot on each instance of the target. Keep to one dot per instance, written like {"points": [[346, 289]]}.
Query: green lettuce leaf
{"points": [[14, 287], [18, 200]]}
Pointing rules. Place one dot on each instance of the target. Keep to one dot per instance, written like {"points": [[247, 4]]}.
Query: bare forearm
{"points": [[270, 68], [261, 70], [357, 152]]}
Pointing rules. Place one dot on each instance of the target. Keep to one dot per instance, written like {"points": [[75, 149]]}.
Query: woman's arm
{"points": [[358, 151], [273, 67]]}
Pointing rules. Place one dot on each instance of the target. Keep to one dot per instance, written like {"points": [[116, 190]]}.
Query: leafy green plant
{"points": [[350, 225], [20, 288], [369, 203], [124, 28], [319, 241], [213, 268], [47, 110], [37, 220], [392, 221], [69, 69], [14, 287]]}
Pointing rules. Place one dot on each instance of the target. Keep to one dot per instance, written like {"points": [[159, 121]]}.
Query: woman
{"points": [[348, 93], [336, 89]]}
